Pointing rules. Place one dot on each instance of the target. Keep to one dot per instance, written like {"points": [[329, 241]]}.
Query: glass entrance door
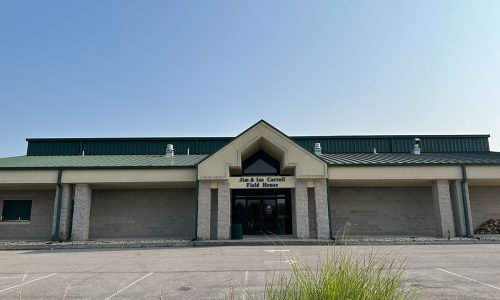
{"points": [[262, 211], [253, 216], [269, 216]]}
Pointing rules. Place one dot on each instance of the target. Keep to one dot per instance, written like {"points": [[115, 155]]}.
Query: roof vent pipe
{"points": [[170, 150], [375, 151], [317, 148], [416, 146]]}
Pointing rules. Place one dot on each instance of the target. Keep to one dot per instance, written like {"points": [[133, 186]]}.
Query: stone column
{"points": [[321, 203], [223, 211], [458, 207], [442, 209], [301, 209], [65, 213], [204, 198], [81, 212]]}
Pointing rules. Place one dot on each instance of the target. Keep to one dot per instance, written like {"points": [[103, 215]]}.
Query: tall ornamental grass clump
{"points": [[341, 275]]}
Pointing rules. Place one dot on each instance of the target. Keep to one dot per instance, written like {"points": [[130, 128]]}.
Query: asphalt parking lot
{"points": [[441, 271]]}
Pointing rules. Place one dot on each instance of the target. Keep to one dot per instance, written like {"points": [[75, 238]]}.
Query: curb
{"points": [[278, 243], [340, 243]]}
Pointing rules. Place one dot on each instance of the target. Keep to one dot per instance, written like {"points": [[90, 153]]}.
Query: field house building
{"points": [[308, 187]]}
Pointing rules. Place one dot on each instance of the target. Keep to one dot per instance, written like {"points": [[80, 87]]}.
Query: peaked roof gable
{"points": [[262, 135]]}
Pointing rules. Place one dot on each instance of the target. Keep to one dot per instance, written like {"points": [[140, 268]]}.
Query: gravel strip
{"points": [[35, 245], [352, 240]]}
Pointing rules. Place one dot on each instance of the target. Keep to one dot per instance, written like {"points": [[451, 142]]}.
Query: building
{"points": [[196, 188]]}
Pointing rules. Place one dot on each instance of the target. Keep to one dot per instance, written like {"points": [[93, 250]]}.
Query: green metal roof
{"points": [[209, 145], [396, 143], [191, 161], [337, 150], [123, 146], [394, 159], [100, 161]]}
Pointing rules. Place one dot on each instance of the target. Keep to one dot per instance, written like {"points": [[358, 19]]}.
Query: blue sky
{"points": [[213, 68]]}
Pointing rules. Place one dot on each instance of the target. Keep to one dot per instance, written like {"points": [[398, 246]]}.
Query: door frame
{"points": [[262, 195]]}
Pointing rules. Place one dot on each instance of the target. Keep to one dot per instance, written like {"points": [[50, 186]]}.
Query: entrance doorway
{"points": [[262, 211]]}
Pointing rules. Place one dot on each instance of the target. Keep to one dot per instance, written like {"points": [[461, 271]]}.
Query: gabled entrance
{"points": [[263, 181]]}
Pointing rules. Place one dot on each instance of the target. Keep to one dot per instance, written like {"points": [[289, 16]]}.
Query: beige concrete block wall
{"points": [[42, 209], [383, 210], [143, 213], [485, 203]]}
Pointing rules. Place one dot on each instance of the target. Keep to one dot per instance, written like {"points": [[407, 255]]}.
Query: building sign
{"points": [[262, 182]]}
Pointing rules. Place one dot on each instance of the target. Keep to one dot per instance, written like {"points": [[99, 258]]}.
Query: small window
{"points": [[261, 163], [16, 210]]}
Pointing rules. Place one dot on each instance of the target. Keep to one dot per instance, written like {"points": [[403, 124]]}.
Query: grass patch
{"points": [[341, 275]]}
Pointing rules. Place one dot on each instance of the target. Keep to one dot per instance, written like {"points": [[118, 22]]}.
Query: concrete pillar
{"points": [[311, 207], [65, 213], [204, 198], [321, 203], [301, 209], [81, 212], [223, 211], [442, 209], [457, 202], [213, 214]]}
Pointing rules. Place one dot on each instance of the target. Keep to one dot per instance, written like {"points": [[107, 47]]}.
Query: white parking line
{"points": [[118, 292], [247, 275], [13, 287], [279, 261], [461, 276], [274, 250]]}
